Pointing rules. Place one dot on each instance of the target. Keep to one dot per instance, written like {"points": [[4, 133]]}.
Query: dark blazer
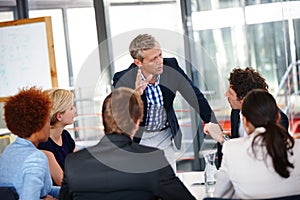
{"points": [[116, 168], [235, 123], [172, 80]]}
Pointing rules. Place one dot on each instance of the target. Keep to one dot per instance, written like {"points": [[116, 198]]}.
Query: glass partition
{"points": [[260, 34]]}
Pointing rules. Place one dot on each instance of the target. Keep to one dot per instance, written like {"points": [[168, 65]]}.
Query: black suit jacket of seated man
{"points": [[117, 168]]}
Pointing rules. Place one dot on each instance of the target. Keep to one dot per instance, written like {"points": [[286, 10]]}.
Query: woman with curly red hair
{"points": [[22, 165]]}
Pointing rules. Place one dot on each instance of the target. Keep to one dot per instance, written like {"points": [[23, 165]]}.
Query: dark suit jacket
{"points": [[116, 168], [172, 80], [235, 123]]}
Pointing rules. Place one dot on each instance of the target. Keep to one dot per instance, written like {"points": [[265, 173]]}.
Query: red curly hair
{"points": [[27, 112]]}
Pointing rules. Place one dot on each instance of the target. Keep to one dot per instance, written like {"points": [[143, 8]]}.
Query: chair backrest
{"points": [[8, 193], [293, 197], [217, 198], [5, 140]]}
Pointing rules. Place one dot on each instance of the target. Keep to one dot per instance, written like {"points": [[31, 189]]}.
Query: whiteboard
{"points": [[26, 55]]}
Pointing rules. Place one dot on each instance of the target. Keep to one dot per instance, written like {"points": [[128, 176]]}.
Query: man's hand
{"points": [[48, 197], [140, 84], [296, 135], [214, 131]]}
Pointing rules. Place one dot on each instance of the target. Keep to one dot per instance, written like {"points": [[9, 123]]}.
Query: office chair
{"points": [[293, 197], [5, 140], [217, 198], [8, 193]]}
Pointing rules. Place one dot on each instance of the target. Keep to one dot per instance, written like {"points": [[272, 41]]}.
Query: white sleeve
{"points": [[224, 187]]}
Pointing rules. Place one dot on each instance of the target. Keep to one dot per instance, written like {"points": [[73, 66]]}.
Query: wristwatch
{"points": [[225, 138]]}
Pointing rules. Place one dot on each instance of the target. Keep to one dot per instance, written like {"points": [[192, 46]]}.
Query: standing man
{"points": [[241, 81], [157, 79]]}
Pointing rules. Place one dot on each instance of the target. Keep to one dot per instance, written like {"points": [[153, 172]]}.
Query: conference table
{"points": [[194, 181]]}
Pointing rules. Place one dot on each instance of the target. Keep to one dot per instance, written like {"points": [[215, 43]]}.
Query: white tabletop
{"points": [[194, 181], [85, 143]]}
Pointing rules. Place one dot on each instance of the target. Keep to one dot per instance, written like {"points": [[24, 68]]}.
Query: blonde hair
{"points": [[62, 100]]}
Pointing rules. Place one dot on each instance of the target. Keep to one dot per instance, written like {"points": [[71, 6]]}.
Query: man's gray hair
{"points": [[141, 43]]}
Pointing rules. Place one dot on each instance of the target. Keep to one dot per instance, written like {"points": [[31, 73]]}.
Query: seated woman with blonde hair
{"points": [[266, 163], [60, 143]]}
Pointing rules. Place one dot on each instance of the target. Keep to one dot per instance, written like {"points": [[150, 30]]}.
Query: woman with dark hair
{"points": [[265, 163], [22, 165]]}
